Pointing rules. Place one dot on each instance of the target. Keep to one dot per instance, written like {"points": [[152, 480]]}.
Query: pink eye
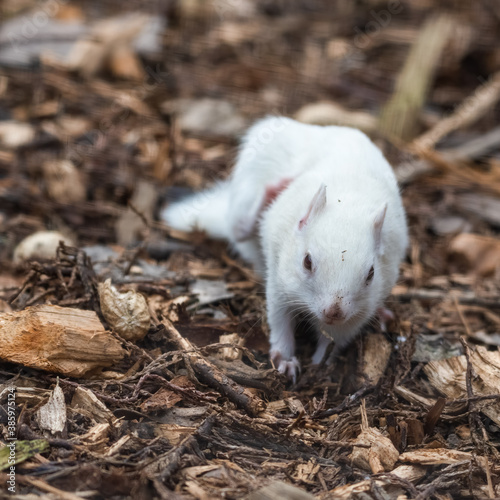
{"points": [[308, 262], [369, 278]]}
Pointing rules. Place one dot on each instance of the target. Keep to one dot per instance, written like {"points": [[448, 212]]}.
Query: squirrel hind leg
{"points": [[250, 252]]}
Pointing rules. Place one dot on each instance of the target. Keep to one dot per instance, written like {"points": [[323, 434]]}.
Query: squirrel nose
{"points": [[334, 314]]}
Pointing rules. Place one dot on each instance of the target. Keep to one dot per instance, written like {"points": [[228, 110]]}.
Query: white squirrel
{"points": [[317, 211]]}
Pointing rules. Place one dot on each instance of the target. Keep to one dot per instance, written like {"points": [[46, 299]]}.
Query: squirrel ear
{"points": [[377, 228], [315, 207]]}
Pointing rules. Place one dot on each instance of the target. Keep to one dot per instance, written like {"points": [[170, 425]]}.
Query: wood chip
{"points": [[376, 353], [380, 455], [448, 376], [57, 339], [436, 456]]}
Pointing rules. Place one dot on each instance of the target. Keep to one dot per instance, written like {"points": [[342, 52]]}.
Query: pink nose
{"points": [[333, 314]]}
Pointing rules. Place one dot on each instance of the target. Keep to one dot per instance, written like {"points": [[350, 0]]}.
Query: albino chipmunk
{"points": [[317, 211]]}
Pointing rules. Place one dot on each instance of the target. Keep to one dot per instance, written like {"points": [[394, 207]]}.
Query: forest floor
{"points": [[107, 113]]}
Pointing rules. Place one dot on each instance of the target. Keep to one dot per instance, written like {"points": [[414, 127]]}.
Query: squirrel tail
{"points": [[204, 211]]}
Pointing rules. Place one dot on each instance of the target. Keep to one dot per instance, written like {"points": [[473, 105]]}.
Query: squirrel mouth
{"points": [[334, 321]]}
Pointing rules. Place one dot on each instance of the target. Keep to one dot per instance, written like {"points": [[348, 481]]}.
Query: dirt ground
{"points": [[109, 111]]}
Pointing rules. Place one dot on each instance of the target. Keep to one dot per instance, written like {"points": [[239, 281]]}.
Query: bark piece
{"points": [[449, 224], [96, 439], [57, 339], [124, 63], [376, 353], [86, 403], [433, 415]]}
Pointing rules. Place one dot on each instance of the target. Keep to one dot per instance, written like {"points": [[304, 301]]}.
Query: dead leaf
{"points": [[63, 181], [52, 415], [210, 291], [479, 254], [160, 400]]}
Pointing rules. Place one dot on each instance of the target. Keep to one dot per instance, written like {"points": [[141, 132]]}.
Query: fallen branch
{"points": [[408, 171], [466, 298], [471, 109], [209, 374], [168, 463]]}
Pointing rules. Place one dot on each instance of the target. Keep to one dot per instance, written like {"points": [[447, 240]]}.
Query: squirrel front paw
{"points": [[289, 367]]}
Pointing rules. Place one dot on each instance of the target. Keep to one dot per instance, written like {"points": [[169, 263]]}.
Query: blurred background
{"points": [[107, 103]]}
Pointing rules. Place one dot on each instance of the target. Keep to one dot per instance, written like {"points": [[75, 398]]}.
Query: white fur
{"points": [[204, 211], [362, 223]]}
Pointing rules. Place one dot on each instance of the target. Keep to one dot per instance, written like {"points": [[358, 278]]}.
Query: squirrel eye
{"points": [[308, 262], [369, 278]]}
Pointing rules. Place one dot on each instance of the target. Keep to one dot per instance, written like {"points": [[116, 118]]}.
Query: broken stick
{"points": [[209, 374], [471, 109]]}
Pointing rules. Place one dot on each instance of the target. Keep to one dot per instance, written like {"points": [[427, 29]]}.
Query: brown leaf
{"points": [[162, 399], [478, 254]]}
